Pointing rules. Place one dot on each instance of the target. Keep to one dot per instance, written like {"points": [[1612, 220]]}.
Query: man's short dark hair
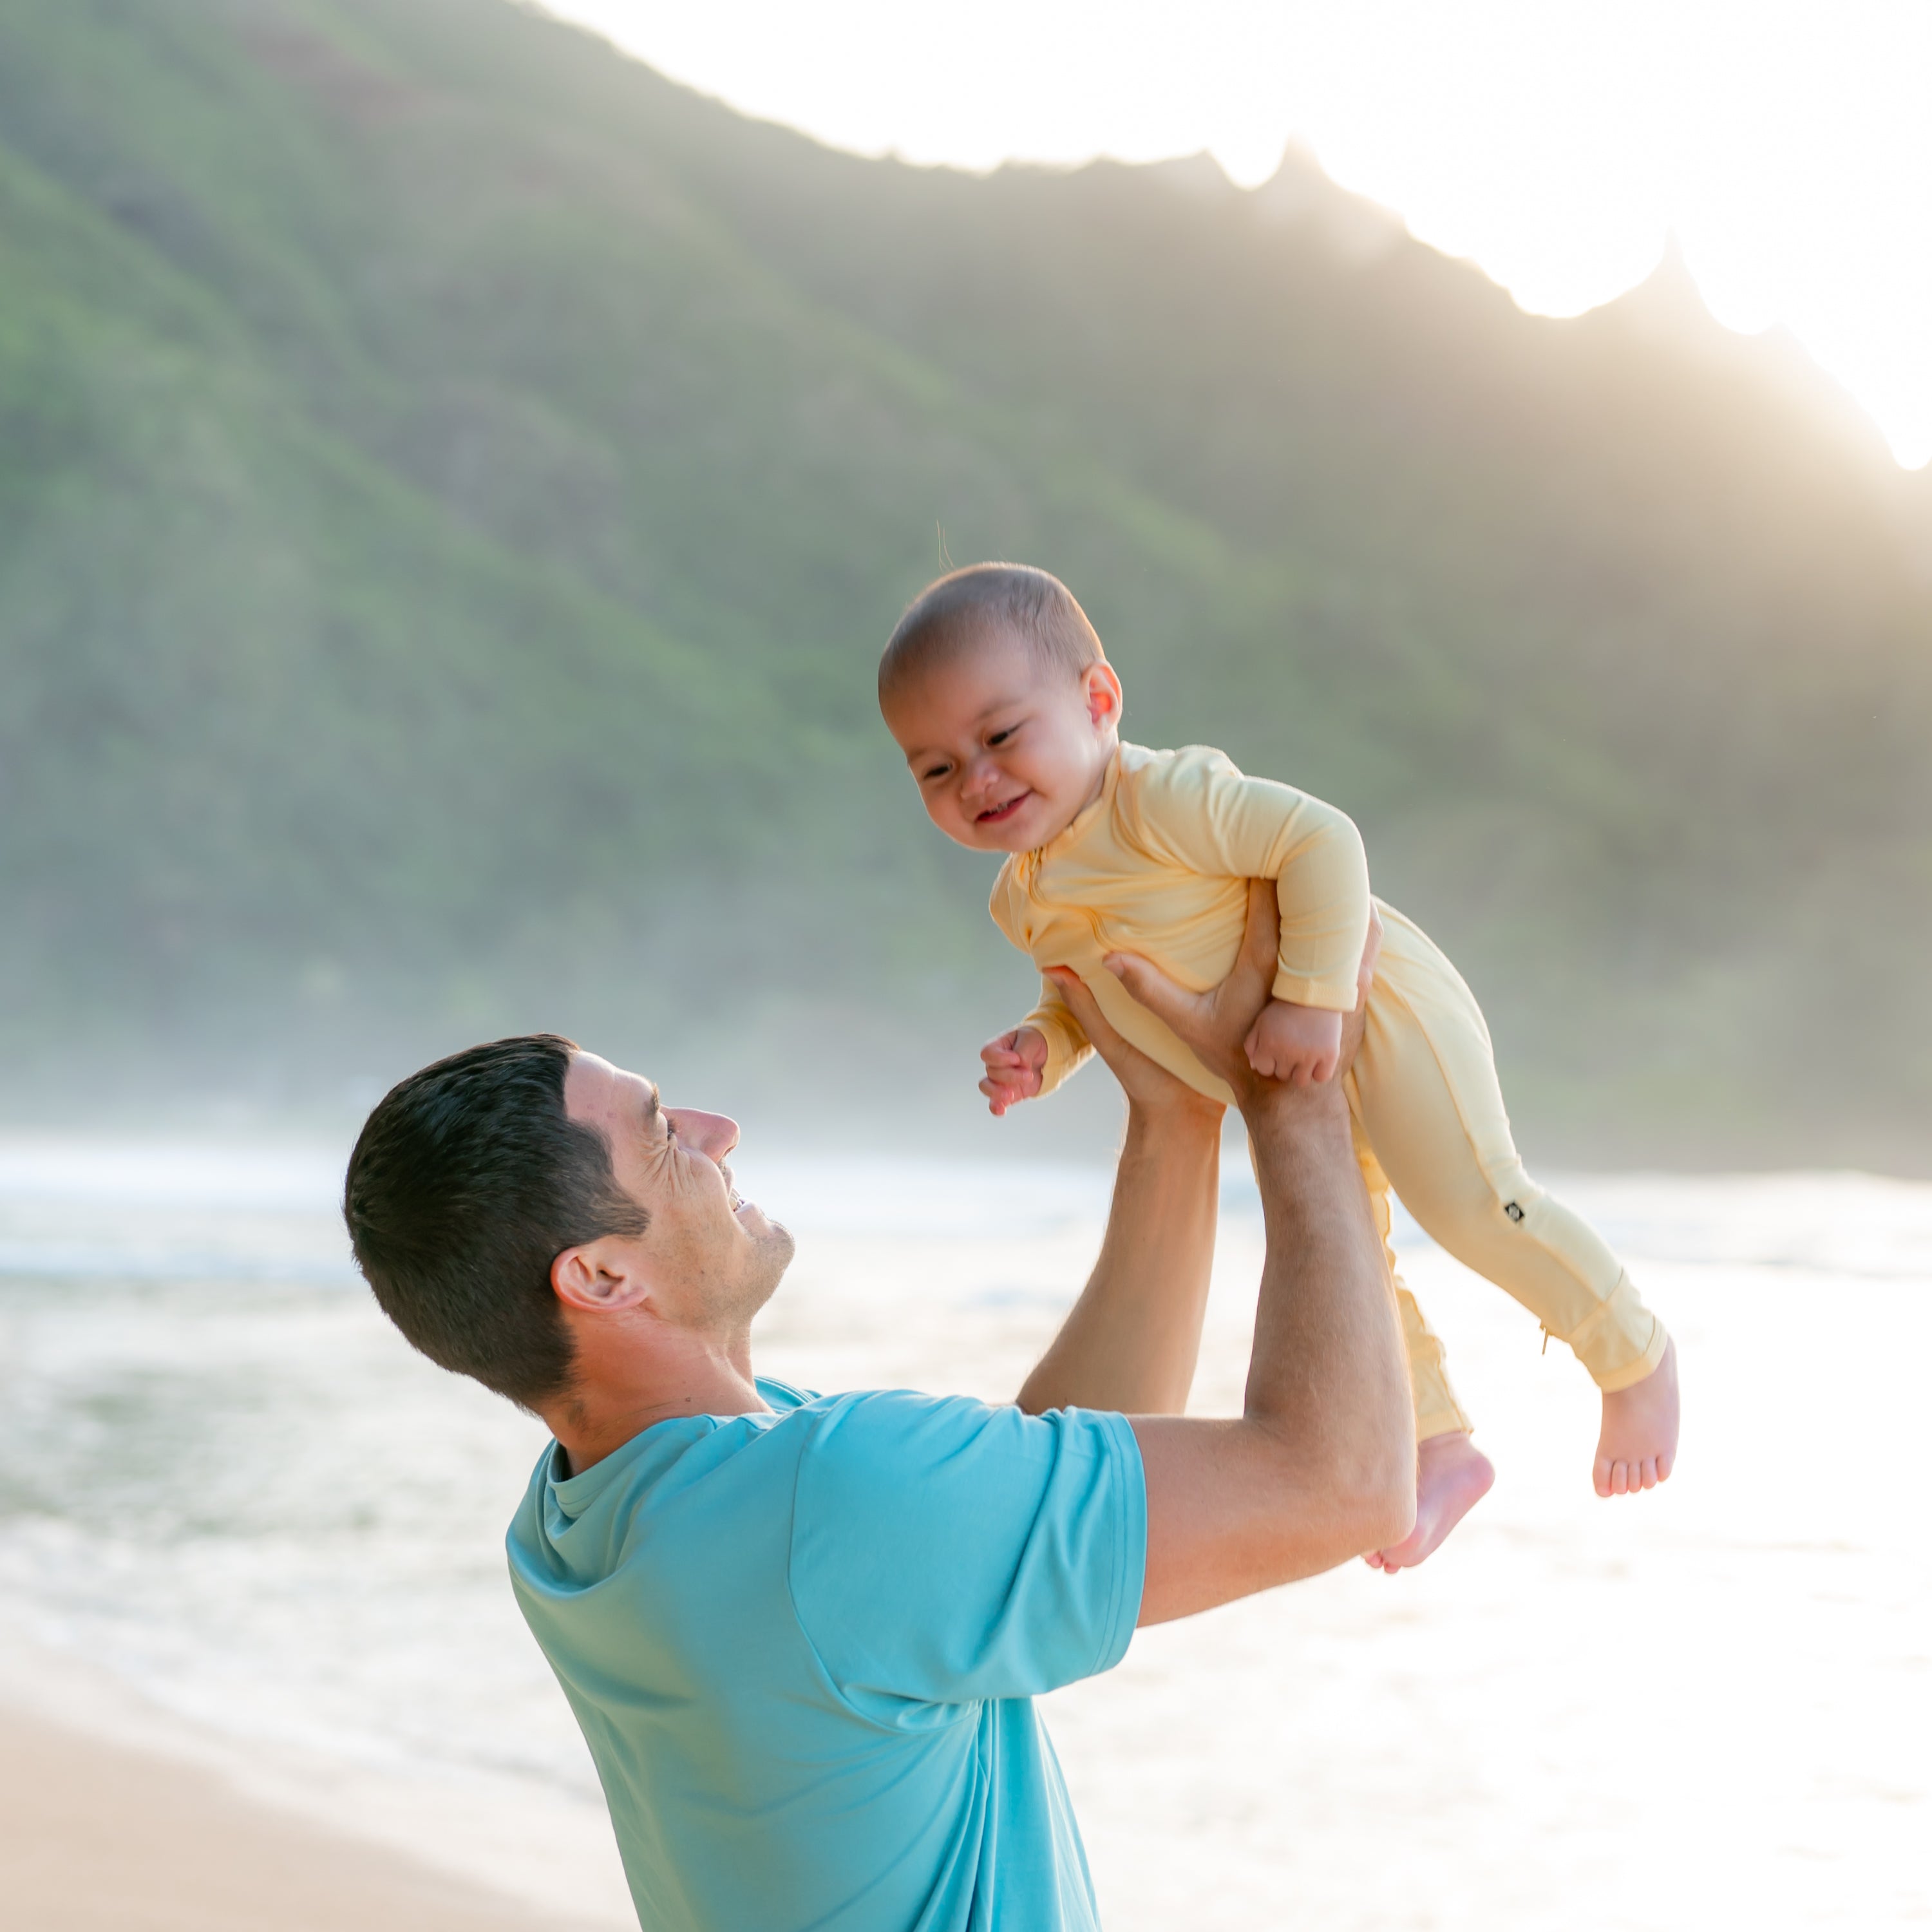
{"points": [[972, 607], [467, 1181]]}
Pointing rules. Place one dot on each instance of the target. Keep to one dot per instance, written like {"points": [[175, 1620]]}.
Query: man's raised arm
{"points": [[1130, 1343], [1321, 1464]]}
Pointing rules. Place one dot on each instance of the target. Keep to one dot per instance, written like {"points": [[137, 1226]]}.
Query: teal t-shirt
{"points": [[803, 1646]]}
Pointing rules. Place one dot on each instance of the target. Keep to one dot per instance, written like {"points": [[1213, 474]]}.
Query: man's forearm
{"points": [[1132, 1339], [1322, 1465], [1327, 1376]]}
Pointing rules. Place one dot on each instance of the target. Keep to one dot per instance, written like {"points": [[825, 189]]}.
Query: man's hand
{"points": [[1301, 1045], [1015, 1063], [1149, 1088], [1217, 1025]]}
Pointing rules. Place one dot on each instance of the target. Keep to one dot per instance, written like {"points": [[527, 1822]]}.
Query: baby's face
{"points": [[1006, 750]]}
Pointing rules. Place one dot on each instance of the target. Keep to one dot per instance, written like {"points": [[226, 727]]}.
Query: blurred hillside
{"points": [[453, 485]]}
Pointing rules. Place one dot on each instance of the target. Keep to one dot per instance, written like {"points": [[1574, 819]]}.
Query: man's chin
{"points": [[773, 1235], [775, 1250], [755, 1221]]}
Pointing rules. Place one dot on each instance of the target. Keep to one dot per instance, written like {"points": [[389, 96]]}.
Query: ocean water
{"points": [[239, 1520]]}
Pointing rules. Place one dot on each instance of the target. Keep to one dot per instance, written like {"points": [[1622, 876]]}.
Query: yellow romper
{"points": [[1158, 865]]}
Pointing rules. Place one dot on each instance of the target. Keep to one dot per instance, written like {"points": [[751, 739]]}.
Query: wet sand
{"points": [[96, 1837]]}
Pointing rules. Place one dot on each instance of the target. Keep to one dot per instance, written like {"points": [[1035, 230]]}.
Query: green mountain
{"points": [[454, 483]]}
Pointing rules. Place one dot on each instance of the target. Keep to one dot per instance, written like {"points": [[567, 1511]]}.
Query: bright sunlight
{"points": [[1557, 145]]}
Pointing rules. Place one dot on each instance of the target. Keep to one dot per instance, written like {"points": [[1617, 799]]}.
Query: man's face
{"points": [[711, 1260]]}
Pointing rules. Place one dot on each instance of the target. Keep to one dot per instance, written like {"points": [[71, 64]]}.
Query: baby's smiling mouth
{"points": [[995, 814]]}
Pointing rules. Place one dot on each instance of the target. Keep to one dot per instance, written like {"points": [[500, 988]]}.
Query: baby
{"points": [[997, 690]]}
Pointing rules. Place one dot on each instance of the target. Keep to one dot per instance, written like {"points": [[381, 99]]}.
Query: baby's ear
{"points": [[1105, 697]]}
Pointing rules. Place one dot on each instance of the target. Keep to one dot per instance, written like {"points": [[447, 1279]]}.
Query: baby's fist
{"points": [[1301, 1045], [1015, 1064]]}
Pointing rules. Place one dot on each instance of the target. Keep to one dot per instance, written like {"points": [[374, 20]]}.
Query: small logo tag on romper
{"points": [[1512, 1211]]}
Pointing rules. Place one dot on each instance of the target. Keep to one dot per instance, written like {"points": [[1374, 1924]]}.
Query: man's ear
{"points": [[1105, 698], [597, 1277]]}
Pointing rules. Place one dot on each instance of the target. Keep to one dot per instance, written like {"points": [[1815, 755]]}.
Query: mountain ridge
{"points": [[459, 481]]}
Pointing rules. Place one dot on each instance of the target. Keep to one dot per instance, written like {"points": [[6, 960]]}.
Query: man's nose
{"points": [[713, 1136]]}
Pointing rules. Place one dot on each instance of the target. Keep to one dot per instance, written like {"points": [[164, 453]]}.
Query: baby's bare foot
{"points": [[1452, 1476], [1639, 1442]]}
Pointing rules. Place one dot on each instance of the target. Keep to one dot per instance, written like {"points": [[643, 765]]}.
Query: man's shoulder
{"points": [[945, 1550], [861, 1423], [876, 1404], [891, 1448], [878, 1438], [846, 1455]]}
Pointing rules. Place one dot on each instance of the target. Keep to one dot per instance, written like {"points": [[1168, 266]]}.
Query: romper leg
{"points": [[1431, 1103]]}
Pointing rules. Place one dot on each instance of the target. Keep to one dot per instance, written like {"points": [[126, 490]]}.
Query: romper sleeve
{"points": [[1068, 1049], [1197, 810]]}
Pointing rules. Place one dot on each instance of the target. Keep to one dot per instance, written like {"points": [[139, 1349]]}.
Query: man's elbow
{"points": [[1374, 1492], [1382, 1514], [1342, 1510]]}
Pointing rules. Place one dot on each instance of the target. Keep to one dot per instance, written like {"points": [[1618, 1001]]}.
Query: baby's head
{"points": [[1000, 695]]}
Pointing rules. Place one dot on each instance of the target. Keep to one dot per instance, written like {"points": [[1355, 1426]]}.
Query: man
{"points": [[802, 1634]]}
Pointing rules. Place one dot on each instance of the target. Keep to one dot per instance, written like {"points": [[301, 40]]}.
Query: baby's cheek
{"points": [[951, 821]]}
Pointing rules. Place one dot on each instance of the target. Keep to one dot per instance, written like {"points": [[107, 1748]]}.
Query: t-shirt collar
{"points": [[664, 1442]]}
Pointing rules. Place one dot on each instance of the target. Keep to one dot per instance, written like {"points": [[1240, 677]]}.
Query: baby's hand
{"points": [[1014, 1064], [1301, 1045]]}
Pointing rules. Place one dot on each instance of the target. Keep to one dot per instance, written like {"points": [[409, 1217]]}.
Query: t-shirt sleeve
{"points": [[944, 1551]]}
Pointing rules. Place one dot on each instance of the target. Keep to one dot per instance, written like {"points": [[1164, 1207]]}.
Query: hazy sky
{"points": [[1789, 147]]}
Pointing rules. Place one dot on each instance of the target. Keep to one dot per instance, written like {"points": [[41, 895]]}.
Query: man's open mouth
{"points": [[994, 814]]}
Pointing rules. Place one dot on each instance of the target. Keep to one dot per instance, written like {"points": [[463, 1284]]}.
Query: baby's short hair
{"points": [[971, 607]]}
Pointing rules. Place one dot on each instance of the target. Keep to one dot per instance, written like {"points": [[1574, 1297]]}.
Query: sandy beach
{"points": [[254, 1615], [97, 1837]]}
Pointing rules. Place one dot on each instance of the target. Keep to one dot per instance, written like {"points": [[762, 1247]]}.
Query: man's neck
{"points": [[670, 1375]]}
